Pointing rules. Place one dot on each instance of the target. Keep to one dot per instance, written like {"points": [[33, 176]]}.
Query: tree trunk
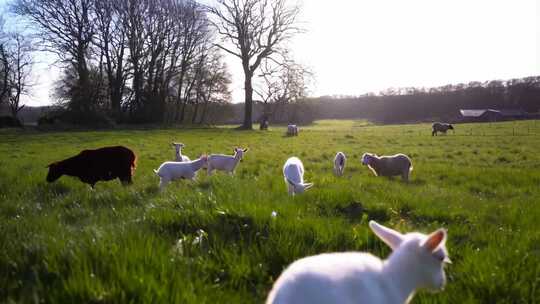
{"points": [[248, 109], [82, 102], [179, 95], [117, 85], [5, 85], [203, 114]]}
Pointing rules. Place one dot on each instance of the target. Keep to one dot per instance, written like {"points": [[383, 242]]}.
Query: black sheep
{"points": [[91, 166]]}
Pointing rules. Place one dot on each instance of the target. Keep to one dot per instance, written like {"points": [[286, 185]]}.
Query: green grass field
{"points": [[215, 241]]}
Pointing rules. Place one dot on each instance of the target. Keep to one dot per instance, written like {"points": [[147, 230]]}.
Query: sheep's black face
{"points": [[450, 127], [54, 173]]}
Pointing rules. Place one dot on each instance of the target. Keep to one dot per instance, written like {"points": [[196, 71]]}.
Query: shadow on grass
{"points": [[355, 211], [49, 190], [223, 227]]}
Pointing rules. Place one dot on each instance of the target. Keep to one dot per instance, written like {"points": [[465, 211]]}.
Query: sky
{"points": [[360, 46]]}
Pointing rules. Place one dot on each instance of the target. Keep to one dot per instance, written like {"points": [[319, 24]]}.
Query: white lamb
{"points": [[225, 163], [169, 171], [292, 130], [293, 172], [417, 261], [339, 163], [179, 157]]}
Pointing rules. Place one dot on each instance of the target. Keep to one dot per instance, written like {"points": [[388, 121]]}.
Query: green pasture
{"points": [[215, 240]]}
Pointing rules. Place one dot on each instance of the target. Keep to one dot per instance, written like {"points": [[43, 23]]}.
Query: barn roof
{"points": [[480, 112], [475, 112]]}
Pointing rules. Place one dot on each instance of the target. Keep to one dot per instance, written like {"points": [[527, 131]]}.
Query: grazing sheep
{"points": [[91, 166], [179, 157], [292, 130], [339, 163], [417, 261], [169, 171], [225, 163], [264, 124], [293, 172], [440, 127], [399, 164]]}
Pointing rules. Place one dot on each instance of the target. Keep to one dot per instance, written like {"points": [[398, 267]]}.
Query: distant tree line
{"points": [[141, 61], [423, 104]]}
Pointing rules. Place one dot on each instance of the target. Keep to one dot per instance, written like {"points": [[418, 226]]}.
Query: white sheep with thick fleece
{"points": [[398, 164], [178, 155], [417, 261], [293, 173], [339, 163], [225, 163], [169, 171]]}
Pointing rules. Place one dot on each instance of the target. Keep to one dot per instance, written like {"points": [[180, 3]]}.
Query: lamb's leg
{"points": [[162, 183], [290, 189]]}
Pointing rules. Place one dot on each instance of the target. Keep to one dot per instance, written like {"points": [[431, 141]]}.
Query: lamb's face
{"points": [[301, 188], [178, 146], [55, 171], [239, 153], [450, 127], [366, 159], [423, 256], [429, 264]]}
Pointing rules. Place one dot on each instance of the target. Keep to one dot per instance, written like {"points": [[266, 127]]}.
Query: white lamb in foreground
{"points": [[178, 155], [225, 163], [293, 173], [339, 163], [169, 171], [417, 261]]}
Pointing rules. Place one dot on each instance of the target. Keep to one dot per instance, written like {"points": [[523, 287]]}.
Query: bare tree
{"points": [[215, 84], [4, 64], [193, 28], [5, 71], [134, 13], [281, 84], [111, 44], [19, 78], [253, 30], [67, 29]]}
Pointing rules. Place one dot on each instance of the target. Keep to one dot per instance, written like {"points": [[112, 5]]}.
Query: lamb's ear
{"points": [[435, 240], [308, 185], [246, 149], [50, 165], [391, 237]]}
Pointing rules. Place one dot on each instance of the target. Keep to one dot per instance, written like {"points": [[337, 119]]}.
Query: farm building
{"points": [[484, 115]]}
